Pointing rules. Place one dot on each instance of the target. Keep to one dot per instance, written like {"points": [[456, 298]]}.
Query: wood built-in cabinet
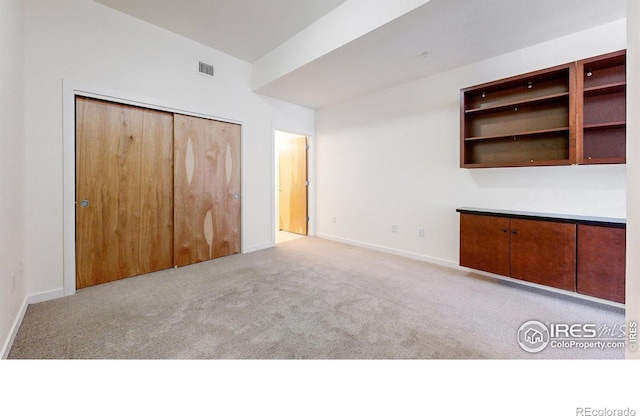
{"points": [[601, 265], [578, 254], [154, 190], [523, 121], [568, 114], [601, 109], [543, 252]]}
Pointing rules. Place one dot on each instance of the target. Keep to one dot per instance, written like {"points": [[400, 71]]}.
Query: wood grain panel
{"points": [[124, 170], [605, 108], [207, 189], [601, 262], [544, 252], [604, 69], [609, 143], [293, 187], [521, 119], [549, 147], [555, 83], [484, 243]]}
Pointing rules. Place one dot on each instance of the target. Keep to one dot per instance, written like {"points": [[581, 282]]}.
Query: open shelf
{"points": [[601, 103], [607, 125], [604, 144], [605, 89], [519, 135], [568, 114], [520, 121], [518, 103], [539, 149]]}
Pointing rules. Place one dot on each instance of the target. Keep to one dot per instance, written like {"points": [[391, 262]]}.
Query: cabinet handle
{"points": [[515, 231], [504, 230]]}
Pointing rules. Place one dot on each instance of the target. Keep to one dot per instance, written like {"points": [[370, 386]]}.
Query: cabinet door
{"points": [[601, 262], [484, 243], [544, 252]]}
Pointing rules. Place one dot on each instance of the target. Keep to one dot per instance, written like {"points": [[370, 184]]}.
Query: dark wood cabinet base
{"points": [[601, 262], [574, 253], [544, 252], [484, 235]]}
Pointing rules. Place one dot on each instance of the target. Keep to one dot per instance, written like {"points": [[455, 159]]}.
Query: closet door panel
{"points": [[156, 196], [124, 191], [207, 189]]}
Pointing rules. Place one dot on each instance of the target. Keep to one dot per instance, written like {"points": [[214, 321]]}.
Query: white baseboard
{"points": [[45, 296], [14, 329], [29, 300], [389, 250], [257, 247]]}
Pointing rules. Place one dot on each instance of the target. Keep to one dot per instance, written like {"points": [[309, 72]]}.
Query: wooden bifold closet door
{"points": [[207, 189], [153, 190], [124, 191]]}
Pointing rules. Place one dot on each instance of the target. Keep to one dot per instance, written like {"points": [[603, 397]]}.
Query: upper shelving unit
{"points": [[572, 113], [601, 103], [521, 121]]}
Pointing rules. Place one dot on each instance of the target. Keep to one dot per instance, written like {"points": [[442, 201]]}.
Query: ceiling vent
{"points": [[206, 69]]}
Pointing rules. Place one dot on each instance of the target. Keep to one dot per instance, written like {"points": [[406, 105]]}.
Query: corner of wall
{"points": [[6, 347]]}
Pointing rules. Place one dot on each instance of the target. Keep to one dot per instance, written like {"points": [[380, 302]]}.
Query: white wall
{"points": [[392, 157], [12, 290], [86, 43]]}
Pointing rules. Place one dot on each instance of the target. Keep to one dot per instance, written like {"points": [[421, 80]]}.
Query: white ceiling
{"points": [[455, 32], [246, 29]]}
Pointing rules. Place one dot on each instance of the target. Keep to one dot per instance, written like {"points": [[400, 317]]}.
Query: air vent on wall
{"points": [[206, 69]]}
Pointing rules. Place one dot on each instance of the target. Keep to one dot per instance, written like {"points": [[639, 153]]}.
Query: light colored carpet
{"points": [[308, 298]]}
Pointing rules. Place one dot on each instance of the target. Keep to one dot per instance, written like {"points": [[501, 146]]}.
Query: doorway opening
{"points": [[292, 186]]}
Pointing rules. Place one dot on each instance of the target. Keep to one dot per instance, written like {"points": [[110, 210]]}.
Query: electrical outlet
{"points": [[333, 220], [421, 232], [394, 228]]}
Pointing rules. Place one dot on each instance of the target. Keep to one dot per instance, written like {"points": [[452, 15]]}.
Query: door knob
{"points": [[84, 203]]}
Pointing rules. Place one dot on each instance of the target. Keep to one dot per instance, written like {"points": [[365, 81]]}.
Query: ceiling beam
{"points": [[344, 24]]}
